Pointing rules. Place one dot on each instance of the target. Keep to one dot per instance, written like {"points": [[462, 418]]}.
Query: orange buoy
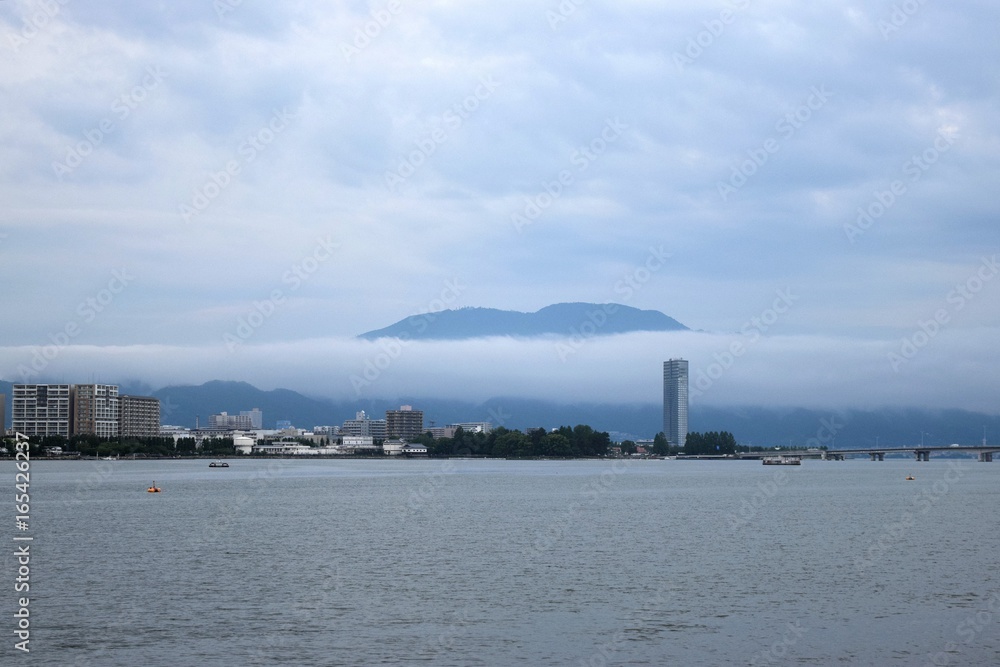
{"points": [[153, 489]]}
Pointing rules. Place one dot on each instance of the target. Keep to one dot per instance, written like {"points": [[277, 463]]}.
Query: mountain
{"points": [[182, 405], [754, 425], [760, 426], [561, 319]]}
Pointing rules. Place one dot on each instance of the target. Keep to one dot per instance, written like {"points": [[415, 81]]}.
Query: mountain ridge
{"points": [[761, 426], [556, 319]]}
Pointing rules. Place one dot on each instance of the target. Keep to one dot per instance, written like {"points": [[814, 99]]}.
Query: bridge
{"points": [[921, 452]]}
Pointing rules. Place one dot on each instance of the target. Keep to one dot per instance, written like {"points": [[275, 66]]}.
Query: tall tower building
{"points": [[675, 401]]}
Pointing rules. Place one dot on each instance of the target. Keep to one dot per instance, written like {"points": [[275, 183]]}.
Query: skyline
{"points": [[809, 188]]}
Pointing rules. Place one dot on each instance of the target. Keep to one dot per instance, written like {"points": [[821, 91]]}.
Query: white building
{"points": [[41, 409], [474, 427], [358, 443], [243, 444], [393, 447], [364, 426]]}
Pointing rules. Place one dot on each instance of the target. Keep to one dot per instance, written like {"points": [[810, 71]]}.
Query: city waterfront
{"points": [[490, 562]]}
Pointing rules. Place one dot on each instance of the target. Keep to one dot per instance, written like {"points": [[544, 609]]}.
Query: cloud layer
{"points": [[171, 172], [725, 370]]}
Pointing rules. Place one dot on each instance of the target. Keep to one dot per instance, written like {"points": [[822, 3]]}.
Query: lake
{"points": [[472, 562]]}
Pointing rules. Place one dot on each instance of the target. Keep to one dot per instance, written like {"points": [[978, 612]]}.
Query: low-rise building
{"points": [[359, 444], [282, 448], [474, 427], [393, 447]]}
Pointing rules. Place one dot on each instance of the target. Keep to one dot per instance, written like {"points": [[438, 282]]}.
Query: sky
{"points": [[235, 190]]}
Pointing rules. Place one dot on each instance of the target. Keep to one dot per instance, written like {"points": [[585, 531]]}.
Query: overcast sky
{"points": [[234, 190]]}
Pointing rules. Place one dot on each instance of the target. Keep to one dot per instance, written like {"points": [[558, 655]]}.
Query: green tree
{"points": [[556, 444], [709, 443], [660, 445], [512, 444], [186, 446]]}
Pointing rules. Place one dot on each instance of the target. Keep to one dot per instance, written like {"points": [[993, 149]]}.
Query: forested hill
{"points": [[592, 319]]}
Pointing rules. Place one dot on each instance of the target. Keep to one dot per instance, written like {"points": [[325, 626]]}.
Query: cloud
{"points": [[725, 370], [709, 101]]}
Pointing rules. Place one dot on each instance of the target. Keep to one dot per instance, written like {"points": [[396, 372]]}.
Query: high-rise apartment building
{"points": [[675, 401], [256, 418], [405, 423], [83, 409], [224, 420], [42, 409], [95, 410], [362, 425], [140, 416]]}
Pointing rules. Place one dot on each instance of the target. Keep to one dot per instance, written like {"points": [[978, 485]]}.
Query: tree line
{"points": [[92, 445], [579, 441]]}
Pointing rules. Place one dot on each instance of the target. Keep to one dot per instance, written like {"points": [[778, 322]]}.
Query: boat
{"points": [[782, 461], [218, 464], [153, 489], [910, 478]]}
